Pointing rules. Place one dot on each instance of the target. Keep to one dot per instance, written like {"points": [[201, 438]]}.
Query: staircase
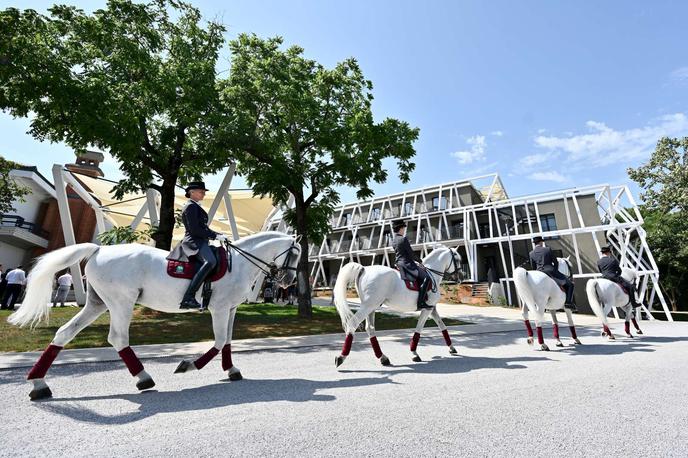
{"points": [[480, 291]]}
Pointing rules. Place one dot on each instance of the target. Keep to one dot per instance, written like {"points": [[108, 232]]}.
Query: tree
{"points": [[303, 130], [664, 179], [125, 234], [10, 190], [129, 79]]}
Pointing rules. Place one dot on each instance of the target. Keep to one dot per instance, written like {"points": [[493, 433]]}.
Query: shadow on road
{"points": [[221, 394]]}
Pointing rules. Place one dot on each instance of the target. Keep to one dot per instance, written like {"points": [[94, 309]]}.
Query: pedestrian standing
{"points": [[64, 284], [16, 279], [3, 282]]}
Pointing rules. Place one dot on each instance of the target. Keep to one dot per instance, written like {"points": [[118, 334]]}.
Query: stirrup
{"points": [[190, 303], [424, 307]]}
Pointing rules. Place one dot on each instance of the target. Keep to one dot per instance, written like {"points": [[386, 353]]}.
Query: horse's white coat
{"points": [[120, 276], [382, 285], [604, 294], [539, 293]]}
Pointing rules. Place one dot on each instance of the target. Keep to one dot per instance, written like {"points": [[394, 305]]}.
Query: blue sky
{"points": [[550, 94]]}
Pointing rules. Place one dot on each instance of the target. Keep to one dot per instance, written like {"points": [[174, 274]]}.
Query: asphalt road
{"points": [[498, 398]]}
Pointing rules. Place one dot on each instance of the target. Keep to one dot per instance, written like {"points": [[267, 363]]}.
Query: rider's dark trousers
{"points": [[206, 256]]}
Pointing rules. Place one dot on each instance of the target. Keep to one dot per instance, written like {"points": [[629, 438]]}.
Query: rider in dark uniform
{"points": [[611, 270], [542, 259], [195, 242], [407, 264]]}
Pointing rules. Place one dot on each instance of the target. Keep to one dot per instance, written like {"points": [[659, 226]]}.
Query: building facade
{"points": [[492, 231]]}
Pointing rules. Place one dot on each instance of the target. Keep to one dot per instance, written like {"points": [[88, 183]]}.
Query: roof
{"points": [[249, 211]]}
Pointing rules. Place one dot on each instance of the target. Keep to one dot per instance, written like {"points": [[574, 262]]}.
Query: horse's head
{"points": [[629, 274], [446, 261], [284, 264]]}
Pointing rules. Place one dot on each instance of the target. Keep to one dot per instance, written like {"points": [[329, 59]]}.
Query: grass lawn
{"points": [[151, 327]]}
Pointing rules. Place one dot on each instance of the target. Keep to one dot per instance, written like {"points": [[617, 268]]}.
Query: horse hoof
{"points": [[416, 359], [183, 367], [544, 347], [577, 342], [384, 360], [530, 341], [452, 350], [611, 337], [630, 336], [41, 393], [559, 344], [235, 376], [338, 361], [146, 384], [639, 332]]}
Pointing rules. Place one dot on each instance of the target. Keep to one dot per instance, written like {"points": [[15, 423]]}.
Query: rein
{"points": [[272, 269]]}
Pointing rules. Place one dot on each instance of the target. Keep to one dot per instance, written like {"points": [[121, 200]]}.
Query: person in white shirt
{"points": [[64, 283], [16, 279]]}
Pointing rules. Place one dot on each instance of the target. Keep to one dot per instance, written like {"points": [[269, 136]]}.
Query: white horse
{"points": [[381, 285], [539, 294], [120, 276], [604, 294]]}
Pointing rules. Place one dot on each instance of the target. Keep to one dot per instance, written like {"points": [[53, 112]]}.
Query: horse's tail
{"points": [[522, 286], [594, 297], [349, 272], [39, 286]]}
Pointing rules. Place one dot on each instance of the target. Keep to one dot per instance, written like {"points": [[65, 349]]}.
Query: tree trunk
{"points": [[163, 236], [303, 280]]}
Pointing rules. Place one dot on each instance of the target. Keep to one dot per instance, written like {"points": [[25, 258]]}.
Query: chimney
{"points": [[87, 163]]}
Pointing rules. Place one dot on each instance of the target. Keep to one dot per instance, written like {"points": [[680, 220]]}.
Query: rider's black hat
{"points": [[537, 239], [398, 224], [605, 249], [195, 185]]}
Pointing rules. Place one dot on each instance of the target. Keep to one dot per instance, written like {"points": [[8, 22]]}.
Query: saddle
{"points": [[414, 285], [187, 269]]}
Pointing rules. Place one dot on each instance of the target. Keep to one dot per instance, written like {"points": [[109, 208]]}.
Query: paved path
{"points": [[498, 398]]}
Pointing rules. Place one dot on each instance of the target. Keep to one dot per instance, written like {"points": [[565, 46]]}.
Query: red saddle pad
{"points": [[181, 269]]}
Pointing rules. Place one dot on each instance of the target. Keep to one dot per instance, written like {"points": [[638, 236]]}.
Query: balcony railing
{"points": [[18, 221]]}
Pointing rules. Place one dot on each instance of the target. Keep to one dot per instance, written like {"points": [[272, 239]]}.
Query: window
{"points": [[408, 209], [388, 238], [439, 203], [558, 253], [548, 223], [484, 230], [346, 219], [375, 214]]}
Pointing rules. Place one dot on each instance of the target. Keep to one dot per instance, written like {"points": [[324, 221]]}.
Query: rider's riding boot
{"points": [[631, 294], [422, 292], [189, 301], [569, 298]]}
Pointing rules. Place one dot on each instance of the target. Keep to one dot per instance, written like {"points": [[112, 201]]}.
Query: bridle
{"points": [[455, 272], [270, 269]]}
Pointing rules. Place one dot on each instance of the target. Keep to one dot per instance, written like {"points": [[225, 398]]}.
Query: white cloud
{"points": [[541, 131], [603, 145], [476, 153], [549, 175], [680, 74], [497, 133], [537, 159]]}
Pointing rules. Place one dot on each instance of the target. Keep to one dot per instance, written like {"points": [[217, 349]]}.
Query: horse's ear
{"points": [[568, 258]]}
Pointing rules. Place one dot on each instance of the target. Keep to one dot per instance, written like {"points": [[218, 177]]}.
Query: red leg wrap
{"points": [[131, 361], [573, 332], [347, 344], [376, 347], [555, 331], [605, 328], [447, 339], [541, 339], [205, 359], [529, 328], [414, 341], [635, 323], [627, 327], [227, 357], [44, 362]]}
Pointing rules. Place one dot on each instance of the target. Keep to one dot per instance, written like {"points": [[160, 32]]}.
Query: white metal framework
{"points": [[150, 207], [481, 219]]}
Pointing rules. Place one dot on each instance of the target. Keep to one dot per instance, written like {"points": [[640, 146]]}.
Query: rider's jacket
{"points": [[542, 259], [609, 268], [405, 259], [197, 233]]}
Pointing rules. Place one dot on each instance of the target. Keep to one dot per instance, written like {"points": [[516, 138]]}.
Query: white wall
{"points": [[11, 256]]}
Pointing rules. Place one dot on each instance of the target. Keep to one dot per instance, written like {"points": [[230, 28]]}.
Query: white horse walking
{"points": [[120, 276], [381, 285], [604, 294], [539, 294]]}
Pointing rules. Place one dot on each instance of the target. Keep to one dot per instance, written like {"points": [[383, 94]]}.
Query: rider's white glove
{"points": [[222, 238]]}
